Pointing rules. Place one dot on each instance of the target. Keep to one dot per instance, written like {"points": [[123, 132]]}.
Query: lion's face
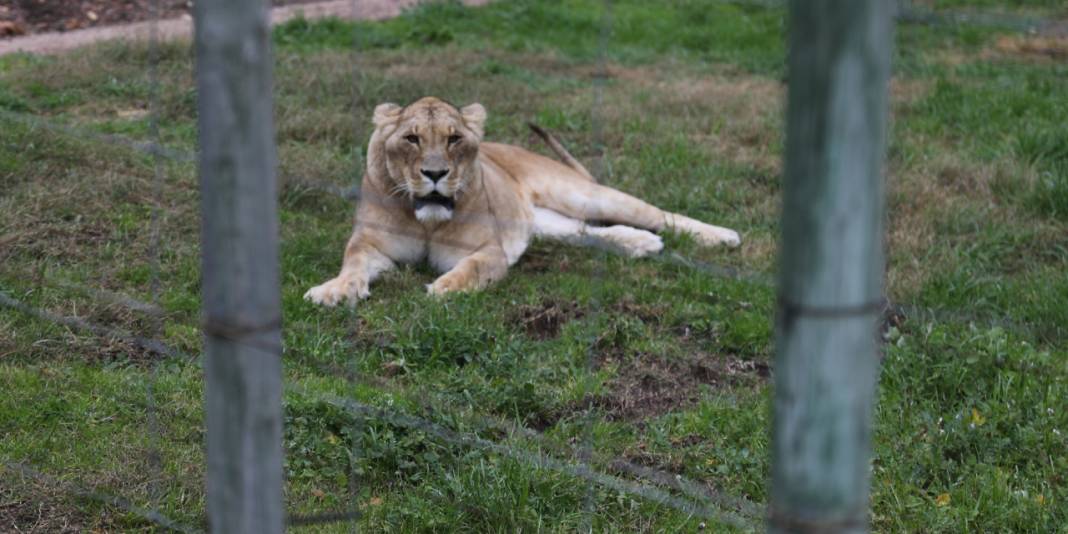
{"points": [[431, 150]]}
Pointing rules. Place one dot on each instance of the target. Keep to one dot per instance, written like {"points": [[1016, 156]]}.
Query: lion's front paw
{"points": [[447, 283], [338, 290]]}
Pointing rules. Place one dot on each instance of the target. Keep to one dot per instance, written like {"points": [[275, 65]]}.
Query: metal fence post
{"points": [[240, 285], [832, 264]]}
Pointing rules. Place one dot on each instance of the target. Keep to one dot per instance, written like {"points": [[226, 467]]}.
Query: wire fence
{"points": [[707, 500], [655, 485], [519, 443]]}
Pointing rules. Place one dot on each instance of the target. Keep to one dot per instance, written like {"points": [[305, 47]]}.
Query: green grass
{"points": [[970, 426], [641, 31]]}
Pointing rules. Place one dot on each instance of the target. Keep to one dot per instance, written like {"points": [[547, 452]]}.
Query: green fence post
{"points": [[832, 264]]}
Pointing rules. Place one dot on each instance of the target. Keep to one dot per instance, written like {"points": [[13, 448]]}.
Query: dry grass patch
{"points": [[31, 507], [910, 243], [1053, 48], [1047, 46], [951, 57], [758, 250], [738, 118], [925, 200], [906, 91], [930, 188]]}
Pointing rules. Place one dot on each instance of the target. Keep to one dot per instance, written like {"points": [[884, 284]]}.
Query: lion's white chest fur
{"points": [[433, 214]]}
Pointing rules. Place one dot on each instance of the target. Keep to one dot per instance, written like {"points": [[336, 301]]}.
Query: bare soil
{"points": [[647, 386], [545, 320], [644, 385], [24, 17]]}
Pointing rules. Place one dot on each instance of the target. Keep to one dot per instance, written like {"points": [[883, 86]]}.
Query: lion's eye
{"points": [[413, 139], [453, 139]]}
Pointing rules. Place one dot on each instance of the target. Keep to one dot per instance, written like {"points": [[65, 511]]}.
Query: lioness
{"points": [[434, 190]]}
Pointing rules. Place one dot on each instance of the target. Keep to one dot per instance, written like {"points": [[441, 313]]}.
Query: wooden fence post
{"points": [[832, 264], [240, 285]]}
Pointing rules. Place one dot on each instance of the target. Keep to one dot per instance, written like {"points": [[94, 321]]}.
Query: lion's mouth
{"points": [[435, 199]]}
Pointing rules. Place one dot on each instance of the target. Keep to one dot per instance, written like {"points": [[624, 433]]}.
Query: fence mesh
{"points": [[468, 429]]}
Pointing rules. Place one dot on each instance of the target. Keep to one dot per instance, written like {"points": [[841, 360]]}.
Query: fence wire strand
{"points": [[155, 457], [602, 174], [357, 174], [92, 136]]}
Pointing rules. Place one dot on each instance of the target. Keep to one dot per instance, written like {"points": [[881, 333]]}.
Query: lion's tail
{"points": [[561, 152]]}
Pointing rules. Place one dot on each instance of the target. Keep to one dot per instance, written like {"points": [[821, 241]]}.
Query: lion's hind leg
{"points": [[705, 234], [584, 200], [620, 239]]}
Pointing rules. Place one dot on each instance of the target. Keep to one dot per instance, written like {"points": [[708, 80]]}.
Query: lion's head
{"points": [[429, 151]]}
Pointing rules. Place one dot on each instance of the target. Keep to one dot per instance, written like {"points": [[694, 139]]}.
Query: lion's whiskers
{"points": [[399, 188]]}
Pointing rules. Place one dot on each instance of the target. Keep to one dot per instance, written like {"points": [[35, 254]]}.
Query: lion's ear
{"points": [[385, 114], [474, 118]]}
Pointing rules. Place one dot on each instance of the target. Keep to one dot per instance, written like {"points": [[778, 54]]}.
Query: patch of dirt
{"points": [[37, 16], [893, 316], [545, 320], [22, 17], [649, 314], [544, 259], [647, 386]]}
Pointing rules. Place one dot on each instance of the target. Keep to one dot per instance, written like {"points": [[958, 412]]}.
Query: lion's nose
{"points": [[435, 175]]}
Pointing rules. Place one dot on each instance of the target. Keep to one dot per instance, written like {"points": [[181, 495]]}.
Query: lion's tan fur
{"points": [[503, 196]]}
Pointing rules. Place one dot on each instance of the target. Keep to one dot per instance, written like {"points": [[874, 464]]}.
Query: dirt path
{"points": [[182, 27], [25, 17]]}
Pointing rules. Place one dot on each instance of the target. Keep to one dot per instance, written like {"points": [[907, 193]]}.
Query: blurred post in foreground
{"points": [[832, 264], [239, 238]]}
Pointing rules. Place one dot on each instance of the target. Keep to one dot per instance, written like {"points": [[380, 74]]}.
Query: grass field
{"points": [[972, 427]]}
